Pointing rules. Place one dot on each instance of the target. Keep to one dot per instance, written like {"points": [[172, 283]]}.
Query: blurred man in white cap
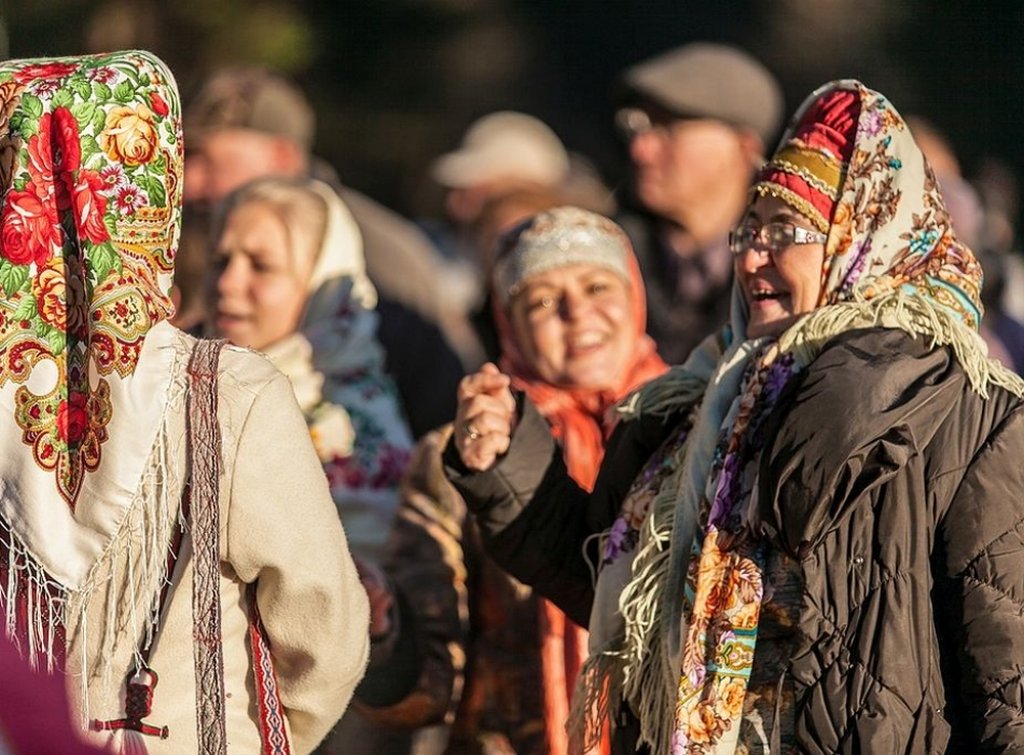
{"points": [[501, 152], [697, 120]]}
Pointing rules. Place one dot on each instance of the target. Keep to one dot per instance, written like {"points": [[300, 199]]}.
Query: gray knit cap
{"points": [[557, 238]]}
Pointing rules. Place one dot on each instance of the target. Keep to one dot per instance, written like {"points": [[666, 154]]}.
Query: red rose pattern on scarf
{"points": [[87, 150]]}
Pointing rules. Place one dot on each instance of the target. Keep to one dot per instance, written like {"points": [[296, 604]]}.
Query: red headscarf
{"points": [[577, 416]]}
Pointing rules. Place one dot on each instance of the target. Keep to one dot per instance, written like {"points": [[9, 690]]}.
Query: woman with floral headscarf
{"points": [[809, 532], [166, 534], [289, 280]]}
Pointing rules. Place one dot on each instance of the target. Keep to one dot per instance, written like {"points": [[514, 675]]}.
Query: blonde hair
{"points": [[300, 208]]}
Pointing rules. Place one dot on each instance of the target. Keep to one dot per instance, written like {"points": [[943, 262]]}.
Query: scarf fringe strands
{"points": [[132, 571], [34, 603], [619, 669], [644, 666], [913, 314]]}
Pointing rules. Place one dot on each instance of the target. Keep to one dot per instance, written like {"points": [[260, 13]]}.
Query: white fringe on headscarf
{"points": [[132, 571]]}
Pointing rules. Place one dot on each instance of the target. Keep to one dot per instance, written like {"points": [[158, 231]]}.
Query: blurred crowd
{"points": [[539, 281]]}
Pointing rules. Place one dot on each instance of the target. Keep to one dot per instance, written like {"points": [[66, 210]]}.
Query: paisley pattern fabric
{"points": [[692, 606]]}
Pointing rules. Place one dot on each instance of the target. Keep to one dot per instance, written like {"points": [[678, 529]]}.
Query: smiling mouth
{"points": [[228, 318], [762, 295], [585, 342]]}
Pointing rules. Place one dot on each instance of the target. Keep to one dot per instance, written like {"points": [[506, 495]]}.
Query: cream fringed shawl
{"points": [[892, 260]]}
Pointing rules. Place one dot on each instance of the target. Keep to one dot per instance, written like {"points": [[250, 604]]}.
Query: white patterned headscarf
{"points": [[336, 365]]}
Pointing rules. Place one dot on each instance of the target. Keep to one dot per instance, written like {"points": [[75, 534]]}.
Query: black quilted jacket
{"points": [[900, 491]]}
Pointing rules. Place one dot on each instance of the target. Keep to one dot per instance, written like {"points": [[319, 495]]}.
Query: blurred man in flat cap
{"points": [[697, 120]]}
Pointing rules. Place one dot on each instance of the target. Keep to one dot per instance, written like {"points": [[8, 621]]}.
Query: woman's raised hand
{"points": [[484, 418]]}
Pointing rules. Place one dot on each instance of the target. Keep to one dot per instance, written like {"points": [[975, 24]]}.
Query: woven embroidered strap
{"points": [[204, 450], [272, 730]]}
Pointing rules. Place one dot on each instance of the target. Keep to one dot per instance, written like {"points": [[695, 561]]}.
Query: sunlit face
{"points": [[681, 161], [220, 161], [778, 286], [574, 327], [260, 289]]}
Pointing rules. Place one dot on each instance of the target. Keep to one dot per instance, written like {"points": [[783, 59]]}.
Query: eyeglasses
{"points": [[771, 237], [631, 122]]}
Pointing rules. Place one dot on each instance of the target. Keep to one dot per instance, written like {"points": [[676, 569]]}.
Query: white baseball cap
{"points": [[504, 145]]}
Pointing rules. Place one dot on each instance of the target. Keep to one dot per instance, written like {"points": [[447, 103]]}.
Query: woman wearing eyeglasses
{"points": [[808, 537]]}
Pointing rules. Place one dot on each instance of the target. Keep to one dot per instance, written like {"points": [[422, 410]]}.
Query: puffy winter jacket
{"points": [[899, 490]]}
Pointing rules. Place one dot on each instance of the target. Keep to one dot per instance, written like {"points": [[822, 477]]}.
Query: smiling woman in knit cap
{"points": [[807, 536], [570, 310]]}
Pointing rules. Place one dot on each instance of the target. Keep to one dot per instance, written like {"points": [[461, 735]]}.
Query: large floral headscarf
{"points": [[90, 201], [88, 227], [891, 259]]}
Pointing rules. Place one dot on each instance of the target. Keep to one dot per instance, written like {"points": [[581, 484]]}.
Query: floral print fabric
{"points": [[90, 154]]}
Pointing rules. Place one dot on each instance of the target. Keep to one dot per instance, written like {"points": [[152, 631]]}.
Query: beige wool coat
{"points": [[278, 528]]}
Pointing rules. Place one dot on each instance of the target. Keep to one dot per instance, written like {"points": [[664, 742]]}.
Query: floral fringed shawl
{"points": [[90, 179]]}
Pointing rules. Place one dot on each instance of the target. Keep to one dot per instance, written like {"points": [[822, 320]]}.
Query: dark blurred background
{"points": [[395, 82]]}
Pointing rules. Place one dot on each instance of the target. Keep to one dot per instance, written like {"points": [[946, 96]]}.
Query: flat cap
{"points": [[252, 98], [708, 80]]}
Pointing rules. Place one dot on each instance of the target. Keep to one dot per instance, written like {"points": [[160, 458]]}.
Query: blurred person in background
{"points": [[999, 191], [248, 123], [696, 120], [464, 642], [167, 536], [503, 158], [288, 279], [500, 153]]}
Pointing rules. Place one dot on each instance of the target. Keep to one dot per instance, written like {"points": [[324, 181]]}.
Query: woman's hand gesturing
{"points": [[484, 418]]}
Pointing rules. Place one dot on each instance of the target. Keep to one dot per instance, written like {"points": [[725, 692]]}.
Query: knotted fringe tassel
{"points": [[139, 693], [902, 310], [596, 697]]}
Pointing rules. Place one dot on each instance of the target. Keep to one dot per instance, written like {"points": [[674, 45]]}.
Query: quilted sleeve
{"points": [[982, 543]]}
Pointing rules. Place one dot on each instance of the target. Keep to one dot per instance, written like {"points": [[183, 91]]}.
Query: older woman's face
{"points": [[260, 289], [574, 326], [778, 285]]}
